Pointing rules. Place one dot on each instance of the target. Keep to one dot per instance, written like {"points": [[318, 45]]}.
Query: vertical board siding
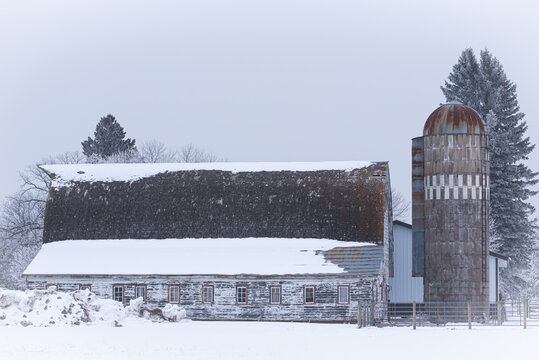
{"points": [[258, 307], [405, 288]]}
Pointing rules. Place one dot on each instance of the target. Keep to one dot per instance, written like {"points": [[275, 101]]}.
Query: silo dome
{"points": [[454, 118]]}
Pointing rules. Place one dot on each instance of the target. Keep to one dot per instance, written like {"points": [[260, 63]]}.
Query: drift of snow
{"points": [[53, 308], [266, 256], [65, 174]]}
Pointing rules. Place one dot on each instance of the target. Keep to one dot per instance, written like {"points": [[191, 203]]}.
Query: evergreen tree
{"points": [[109, 139], [463, 82], [485, 88]]}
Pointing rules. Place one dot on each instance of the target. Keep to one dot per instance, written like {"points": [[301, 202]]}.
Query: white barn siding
{"points": [[292, 308], [404, 287]]}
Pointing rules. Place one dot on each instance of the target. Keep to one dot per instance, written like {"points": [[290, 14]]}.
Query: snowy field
{"points": [[257, 340], [45, 324]]}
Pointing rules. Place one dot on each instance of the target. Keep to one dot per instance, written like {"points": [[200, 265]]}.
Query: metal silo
{"points": [[450, 205]]}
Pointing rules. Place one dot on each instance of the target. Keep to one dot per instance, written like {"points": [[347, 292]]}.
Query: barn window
{"points": [[118, 292], [207, 294], [308, 294], [241, 295], [85, 287], [51, 286], [275, 295], [174, 294], [343, 294], [141, 291]]}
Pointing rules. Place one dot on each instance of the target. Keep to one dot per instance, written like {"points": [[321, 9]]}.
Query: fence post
{"points": [[414, 315], [525, 314], [359, 314], [499, 312], [469, 314]]}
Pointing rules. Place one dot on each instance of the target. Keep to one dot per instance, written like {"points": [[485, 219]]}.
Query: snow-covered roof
{"points": [[257, 256], [64, 174]]}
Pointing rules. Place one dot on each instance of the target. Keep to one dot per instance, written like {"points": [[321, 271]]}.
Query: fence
{"points": [[515, 313]]}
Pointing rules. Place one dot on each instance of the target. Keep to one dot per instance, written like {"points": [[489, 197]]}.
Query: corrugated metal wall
{"points": [[404, 287]]}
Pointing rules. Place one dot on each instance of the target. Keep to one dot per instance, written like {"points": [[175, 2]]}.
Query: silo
{"points": [[451, 205]]}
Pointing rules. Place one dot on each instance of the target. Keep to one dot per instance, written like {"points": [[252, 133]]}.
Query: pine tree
{"points": [[109, 139], [485, 88]]}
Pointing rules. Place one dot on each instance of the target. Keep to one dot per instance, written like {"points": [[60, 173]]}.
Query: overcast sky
{"points": [[248, 80]]}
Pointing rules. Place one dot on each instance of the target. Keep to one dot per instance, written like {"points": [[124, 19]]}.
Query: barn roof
{"points": [[249, 256], [327, 200]]}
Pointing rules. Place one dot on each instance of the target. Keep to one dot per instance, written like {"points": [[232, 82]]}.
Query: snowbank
{"points": [[53, 308]]}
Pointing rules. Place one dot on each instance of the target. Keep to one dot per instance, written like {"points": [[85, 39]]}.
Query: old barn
{"points": [[241, 241]]}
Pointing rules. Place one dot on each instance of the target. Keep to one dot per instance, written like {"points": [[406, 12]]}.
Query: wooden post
{"points": [[469, 314], [499, 312], [414, 315], [359, 313], [525, 313]]}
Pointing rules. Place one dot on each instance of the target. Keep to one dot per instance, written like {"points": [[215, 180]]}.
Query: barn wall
{"points": [[225, 307], [331, 204]]}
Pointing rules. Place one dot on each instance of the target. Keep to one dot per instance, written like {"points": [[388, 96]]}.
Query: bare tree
{"points": [[21, 221], [157, 152], [401, 206], [191, 154], [154, 151]]}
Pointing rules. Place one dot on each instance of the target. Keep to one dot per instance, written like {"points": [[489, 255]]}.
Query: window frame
{"points": [[339, 294], [123, 292], [48, 286], [280, 294], [212, 294], [246, 294], [89, 286], [170, 292], [305, 287], [145, 292]]}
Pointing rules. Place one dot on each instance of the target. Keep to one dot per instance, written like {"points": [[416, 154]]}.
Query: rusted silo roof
{"points": [[453, 118]]}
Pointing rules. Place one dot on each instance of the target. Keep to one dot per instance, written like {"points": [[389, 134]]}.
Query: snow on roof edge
{"points": [[66, 173]]}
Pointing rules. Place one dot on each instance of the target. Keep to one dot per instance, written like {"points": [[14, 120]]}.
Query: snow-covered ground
{"points": [[45, 324], [258, 340]]}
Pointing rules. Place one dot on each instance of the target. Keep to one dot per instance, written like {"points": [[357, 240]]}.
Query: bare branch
{"points": [[401, 206]]}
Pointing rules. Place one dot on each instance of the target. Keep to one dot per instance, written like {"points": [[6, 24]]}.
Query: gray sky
{"points": [[275, 80]]}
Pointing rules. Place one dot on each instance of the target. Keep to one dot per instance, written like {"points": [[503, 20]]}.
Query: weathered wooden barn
{"points": [[240, 241]]}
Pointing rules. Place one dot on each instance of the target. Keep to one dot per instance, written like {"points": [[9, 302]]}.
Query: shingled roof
{"points": [[342, 201]]}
